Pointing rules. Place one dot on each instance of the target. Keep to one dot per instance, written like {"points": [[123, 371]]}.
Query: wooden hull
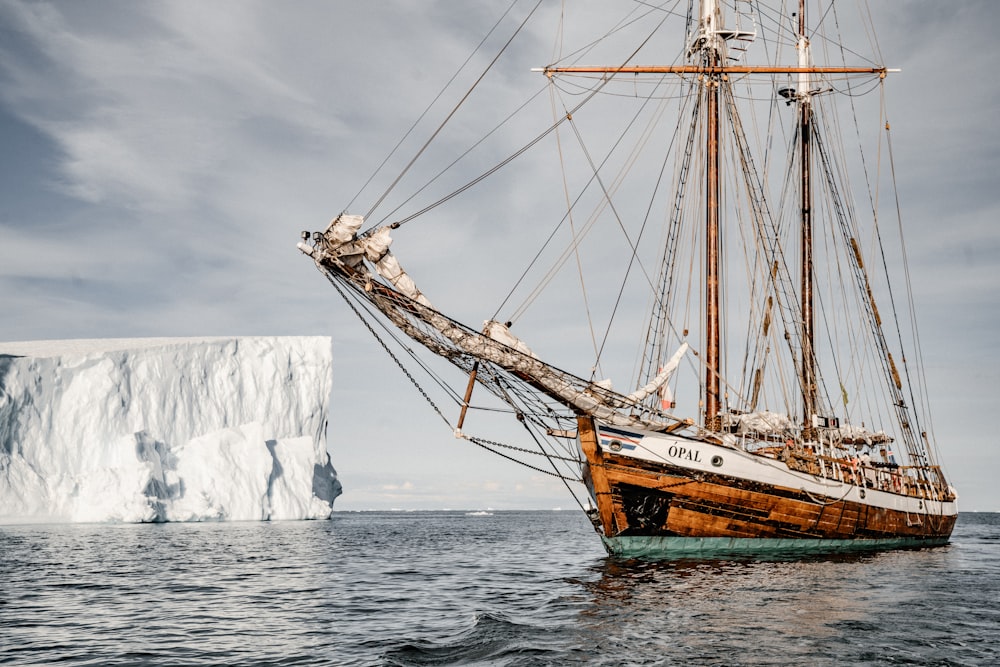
{"points": [[662, 496]]}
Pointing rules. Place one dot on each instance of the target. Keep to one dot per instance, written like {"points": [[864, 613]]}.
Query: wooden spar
{"points": [[468, 395], [711, 50], [712, 343], [805, 148], [713, 69]]}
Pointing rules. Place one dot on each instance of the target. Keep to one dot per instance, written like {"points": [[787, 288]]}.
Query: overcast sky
{"points": [[160, 159]]}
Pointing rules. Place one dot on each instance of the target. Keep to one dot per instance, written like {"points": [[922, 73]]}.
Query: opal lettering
{"points": [[676, 452]]}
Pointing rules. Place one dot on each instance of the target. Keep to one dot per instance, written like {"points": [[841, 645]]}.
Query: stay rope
{"points": [[460, 102], [489, 445], [385, 347]]}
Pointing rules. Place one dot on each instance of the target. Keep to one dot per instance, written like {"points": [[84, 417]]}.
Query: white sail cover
{"points": [[764, 421], [857, 435], [343, 228], [341, 240], [775, 423], [376, 247], [661, 378], [501, 333]]}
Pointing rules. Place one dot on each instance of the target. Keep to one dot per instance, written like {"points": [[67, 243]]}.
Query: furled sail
{"points": [[661, 379], [341, 239], [341, 252]]}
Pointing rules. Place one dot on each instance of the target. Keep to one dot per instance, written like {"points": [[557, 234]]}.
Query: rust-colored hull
{"points": [[669, 502], [642, 502]]}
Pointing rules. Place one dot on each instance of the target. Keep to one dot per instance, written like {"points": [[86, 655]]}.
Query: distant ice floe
{"points": [[164, 429]]}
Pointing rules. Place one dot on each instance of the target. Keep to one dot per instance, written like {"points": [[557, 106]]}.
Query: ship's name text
{"points": [[678, 452]]}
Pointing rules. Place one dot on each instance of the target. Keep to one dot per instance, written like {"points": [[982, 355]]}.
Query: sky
{"points": [[160, 160]]}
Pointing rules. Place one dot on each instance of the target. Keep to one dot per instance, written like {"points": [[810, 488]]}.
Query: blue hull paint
{"points": [[668, 547]]}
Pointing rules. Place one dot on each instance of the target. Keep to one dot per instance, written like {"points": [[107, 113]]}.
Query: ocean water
{"points": [[450, 588]]}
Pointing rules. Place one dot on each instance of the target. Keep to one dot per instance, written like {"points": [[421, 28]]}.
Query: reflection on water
{"points": [[755, 596], [868, 608], [450, 589]]}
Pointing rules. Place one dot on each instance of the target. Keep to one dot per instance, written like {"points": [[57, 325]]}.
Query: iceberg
{"points": [[165, 429]]}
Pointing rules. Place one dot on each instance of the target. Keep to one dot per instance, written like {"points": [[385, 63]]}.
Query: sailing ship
{"points": [[800, 420]]}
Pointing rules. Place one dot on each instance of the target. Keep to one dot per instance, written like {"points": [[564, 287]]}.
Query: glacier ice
{"points": [[165, 429]]}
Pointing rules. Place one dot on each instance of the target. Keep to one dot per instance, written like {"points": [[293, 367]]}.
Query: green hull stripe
{"points": [[635, 546]]}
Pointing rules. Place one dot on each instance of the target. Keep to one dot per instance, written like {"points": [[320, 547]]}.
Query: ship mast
{"points": [[804, 104], [711, 56], [708, 61]]}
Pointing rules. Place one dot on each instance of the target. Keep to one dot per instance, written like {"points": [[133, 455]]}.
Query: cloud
{"points": [[147, 108], [405, 486], [175, 150]]}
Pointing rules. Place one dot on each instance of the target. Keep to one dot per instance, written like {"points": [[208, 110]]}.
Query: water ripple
{"points": [[507, 589]]}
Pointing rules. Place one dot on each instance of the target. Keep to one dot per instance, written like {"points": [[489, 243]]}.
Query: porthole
{"points": [[862, 493], [717, 461], [615, 445]]}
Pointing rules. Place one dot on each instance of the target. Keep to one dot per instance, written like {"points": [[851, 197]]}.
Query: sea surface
{"points": [[456, 588]]}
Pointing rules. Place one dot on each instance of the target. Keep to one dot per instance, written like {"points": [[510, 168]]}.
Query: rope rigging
{"points": [[503, 162], [461, 101], [773, 308], [489, 445]]}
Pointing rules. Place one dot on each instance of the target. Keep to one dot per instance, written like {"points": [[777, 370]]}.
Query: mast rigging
{"points": [[746, 480]]}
